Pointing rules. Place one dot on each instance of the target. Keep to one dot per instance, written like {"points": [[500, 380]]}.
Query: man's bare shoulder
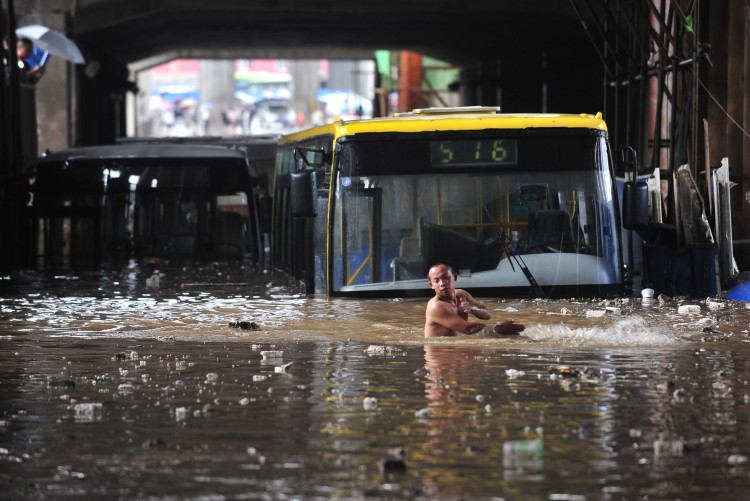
{"points": [[435, 304]]}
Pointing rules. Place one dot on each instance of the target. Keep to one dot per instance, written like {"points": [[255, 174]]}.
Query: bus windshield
{"points": [[485, 204]]}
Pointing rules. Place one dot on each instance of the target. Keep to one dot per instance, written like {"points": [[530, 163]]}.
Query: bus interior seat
{"points": [[489, 256], [444, 244], [409, 264], [549, 228]]}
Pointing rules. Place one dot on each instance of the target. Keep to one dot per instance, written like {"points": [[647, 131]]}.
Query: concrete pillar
{"points": [[305, 85], [217, 89], [355, 75], [52, 91], [409, 81]]}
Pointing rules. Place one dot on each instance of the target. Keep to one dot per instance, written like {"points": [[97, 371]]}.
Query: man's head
{"points": [[442, 279], [24, 48]]}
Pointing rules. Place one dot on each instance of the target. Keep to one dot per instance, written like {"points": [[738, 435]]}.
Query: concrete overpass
{"points": [[461, 31], [518, 46]]}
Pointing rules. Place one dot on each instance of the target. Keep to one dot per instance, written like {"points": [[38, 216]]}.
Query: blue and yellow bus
{"points": [[520, 205]]}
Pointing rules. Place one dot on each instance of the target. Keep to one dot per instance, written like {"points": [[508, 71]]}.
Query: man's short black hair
{"points": [[445, 263]]}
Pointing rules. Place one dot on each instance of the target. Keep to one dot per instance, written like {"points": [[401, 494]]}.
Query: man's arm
{"points": [[468, 304], [442, 314]]}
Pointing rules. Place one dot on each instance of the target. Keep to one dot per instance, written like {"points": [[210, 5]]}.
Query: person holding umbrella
{"points": [[47, 40], [28, 74]]}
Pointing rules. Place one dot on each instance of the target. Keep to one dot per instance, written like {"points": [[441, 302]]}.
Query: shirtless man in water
{"points": [[448, 312]]}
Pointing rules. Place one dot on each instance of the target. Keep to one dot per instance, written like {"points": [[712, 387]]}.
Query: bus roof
{"points": [[446, 119]]}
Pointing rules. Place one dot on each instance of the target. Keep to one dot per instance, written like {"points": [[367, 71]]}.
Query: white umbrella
{"points": [[52, 41]]}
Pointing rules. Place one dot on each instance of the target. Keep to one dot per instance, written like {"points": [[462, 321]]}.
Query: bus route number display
{"points": [[473, 152]]}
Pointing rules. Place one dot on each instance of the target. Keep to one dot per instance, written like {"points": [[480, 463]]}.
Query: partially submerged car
{"points": [[145, 201]]}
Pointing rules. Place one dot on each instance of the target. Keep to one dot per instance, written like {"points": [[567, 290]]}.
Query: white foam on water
{"points": [[626, 331]]}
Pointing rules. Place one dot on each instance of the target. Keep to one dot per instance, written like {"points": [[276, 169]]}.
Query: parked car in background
{"points": [[271, 116]]}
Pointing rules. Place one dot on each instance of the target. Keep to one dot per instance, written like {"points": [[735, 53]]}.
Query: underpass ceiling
{"points": [[458, 31]]}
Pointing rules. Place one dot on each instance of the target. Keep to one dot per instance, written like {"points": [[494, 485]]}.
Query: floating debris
{"points": [[154, 280], [180, 413], [271, 354], [125, 388], [423, 413], [595, 313], [668, 447], [375, 349], [245, 325], [392, 465], [570, 384], [689, 309], [523, 453], [281, 369], [714, 305], [370, 403], [563, 371], [88, 412], [664, 447], [395, 463], [212, 377], [514, 373], [65, 384], [735, 459], [154, 444]]}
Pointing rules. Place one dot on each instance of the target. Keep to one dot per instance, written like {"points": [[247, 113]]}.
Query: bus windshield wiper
{"points": [[501, 237]]}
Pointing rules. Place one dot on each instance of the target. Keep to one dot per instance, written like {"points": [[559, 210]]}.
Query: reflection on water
{"points": [[112, 388]]}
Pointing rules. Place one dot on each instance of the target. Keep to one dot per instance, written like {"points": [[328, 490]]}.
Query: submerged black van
{"points": [[114, 203]]}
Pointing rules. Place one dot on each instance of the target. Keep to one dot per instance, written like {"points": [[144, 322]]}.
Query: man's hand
{"points": [[474, 308], [508, 328], [464, 306]]}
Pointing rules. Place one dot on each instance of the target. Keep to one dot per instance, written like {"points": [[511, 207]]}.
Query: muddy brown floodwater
{"points": [[113, 389]]}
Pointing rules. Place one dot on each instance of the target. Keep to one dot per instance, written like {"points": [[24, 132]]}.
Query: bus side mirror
{"points": [[303, 192], [634, 205], [309, 157]]}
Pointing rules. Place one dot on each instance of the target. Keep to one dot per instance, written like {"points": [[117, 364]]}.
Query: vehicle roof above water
{"points": [[257, 146], [468, 118], [137, 151]]}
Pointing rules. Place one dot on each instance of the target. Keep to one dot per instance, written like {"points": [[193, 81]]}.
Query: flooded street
{"points": [[111, 388]]}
